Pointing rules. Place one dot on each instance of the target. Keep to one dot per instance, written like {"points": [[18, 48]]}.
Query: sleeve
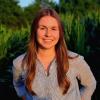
{"points": [[18, 79], [86, 78]]}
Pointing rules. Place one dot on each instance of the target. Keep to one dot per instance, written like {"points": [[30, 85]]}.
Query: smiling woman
{"points": [[48, 70]]}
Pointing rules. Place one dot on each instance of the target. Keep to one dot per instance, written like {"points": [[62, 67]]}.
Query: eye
{"points": [[54, 29], [42, 28]]}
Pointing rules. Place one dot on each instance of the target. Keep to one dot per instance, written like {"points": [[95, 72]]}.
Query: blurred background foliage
{"points": [[81, 21]]}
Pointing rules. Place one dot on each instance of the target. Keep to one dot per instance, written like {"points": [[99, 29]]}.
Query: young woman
{"points": [[47, 70]]}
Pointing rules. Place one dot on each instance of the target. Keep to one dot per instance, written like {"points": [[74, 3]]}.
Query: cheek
{"points": [[40, 33], [56, 35]]}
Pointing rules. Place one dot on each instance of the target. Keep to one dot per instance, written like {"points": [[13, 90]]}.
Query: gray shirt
{"points": [[46, 86]]}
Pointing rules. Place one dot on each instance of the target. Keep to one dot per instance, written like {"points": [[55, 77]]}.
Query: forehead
{"points": [[48, 21]]}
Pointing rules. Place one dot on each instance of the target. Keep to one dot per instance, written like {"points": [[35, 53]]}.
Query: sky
{"points": [[24, 3]]}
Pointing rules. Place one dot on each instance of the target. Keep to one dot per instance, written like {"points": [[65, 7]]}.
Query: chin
{"points": [[48, 47]]}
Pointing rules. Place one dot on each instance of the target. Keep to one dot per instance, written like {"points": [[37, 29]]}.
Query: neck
{"points": [[46, 54]]}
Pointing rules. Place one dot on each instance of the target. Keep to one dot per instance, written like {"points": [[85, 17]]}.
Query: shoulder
{"points": [[18, 60], [75, 58], [78, 63], [73, 55]]}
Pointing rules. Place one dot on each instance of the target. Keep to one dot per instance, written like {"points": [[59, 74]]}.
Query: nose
{"points": [[48, 32]]}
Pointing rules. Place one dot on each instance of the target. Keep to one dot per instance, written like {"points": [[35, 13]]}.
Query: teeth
{"points": [[47, 40]]}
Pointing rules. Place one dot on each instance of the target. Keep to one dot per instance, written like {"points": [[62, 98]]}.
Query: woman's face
{"points": [[47, 32]]}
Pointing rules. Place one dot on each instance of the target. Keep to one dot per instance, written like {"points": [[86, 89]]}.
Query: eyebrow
{"points": [[42, 25], [46, 26]]}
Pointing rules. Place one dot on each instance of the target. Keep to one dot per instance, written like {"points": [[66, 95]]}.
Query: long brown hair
{"points": [[61, 53]]}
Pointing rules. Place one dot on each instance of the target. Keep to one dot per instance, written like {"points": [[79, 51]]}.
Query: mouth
{"points": [[48, 40]]}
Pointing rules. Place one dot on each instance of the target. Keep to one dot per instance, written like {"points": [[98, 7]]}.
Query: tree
{"points": [[11, 14], [78, 6]]}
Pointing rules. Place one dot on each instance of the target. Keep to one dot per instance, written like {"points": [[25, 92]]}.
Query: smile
{"points": [[47, 40]]}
